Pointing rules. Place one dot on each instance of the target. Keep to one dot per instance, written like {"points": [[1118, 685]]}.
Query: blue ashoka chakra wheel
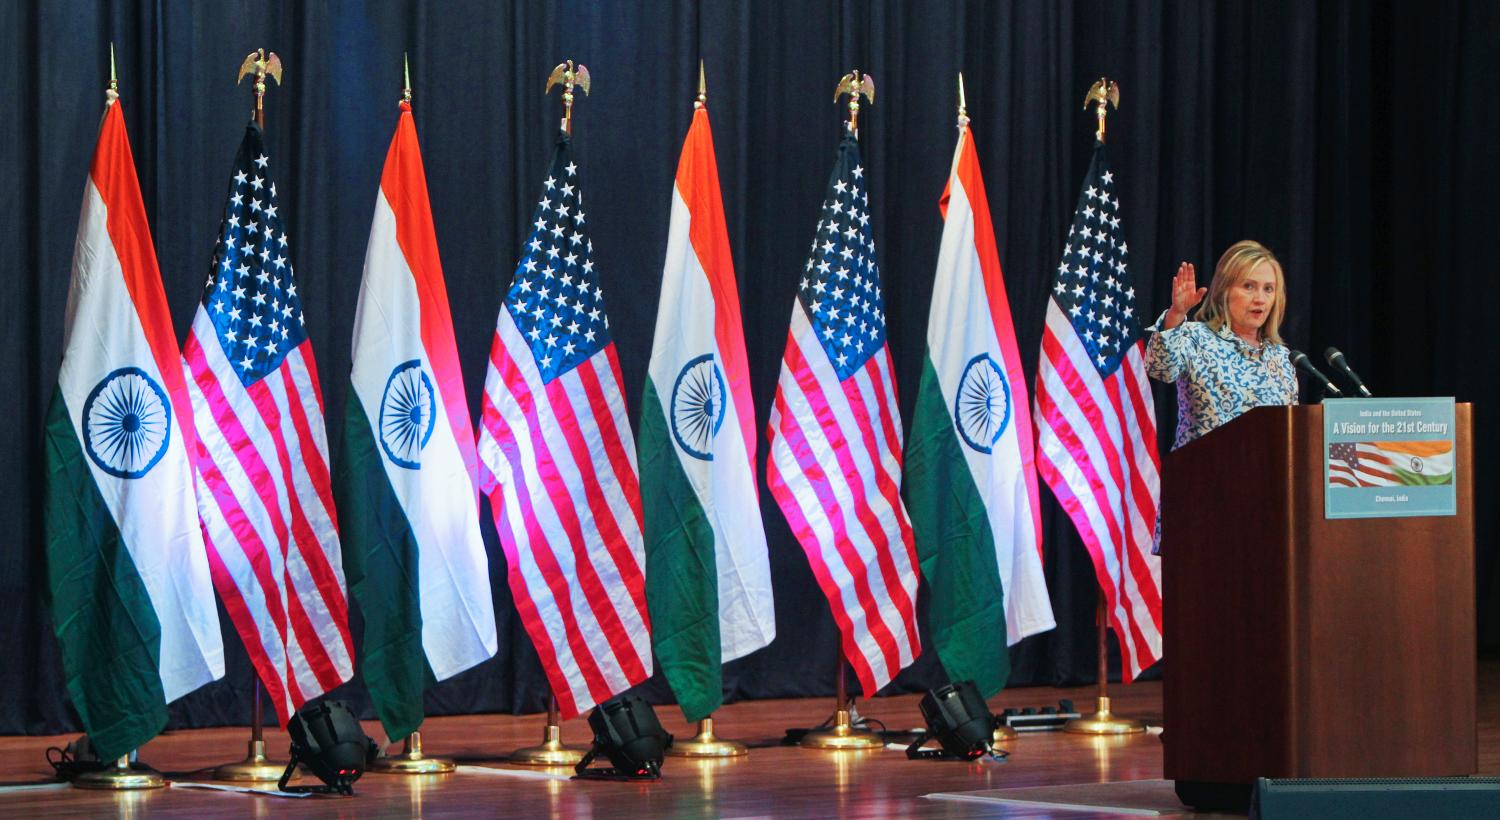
{"points": [[981, 410], [407, 411], [698, 407], [127, 422]]}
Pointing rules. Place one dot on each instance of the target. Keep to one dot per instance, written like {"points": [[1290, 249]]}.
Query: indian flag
{"points": [[132, 602], [409, 501], [1419, 463], [970, 481], [708, 578]]}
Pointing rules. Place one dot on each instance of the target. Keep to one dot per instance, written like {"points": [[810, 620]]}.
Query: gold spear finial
{"points": [[406, 72], [570, 78], [855, 84], [702, 88], [113, 92], [963, 105], [262, 65], [1103, 93]]}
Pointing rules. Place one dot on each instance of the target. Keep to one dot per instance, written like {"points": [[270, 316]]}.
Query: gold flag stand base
{"points": [[1103, 722], [255, 768], [706, 744], [120, 777], [1004, 734], [412, 761], [551, 752], [842, 736]]}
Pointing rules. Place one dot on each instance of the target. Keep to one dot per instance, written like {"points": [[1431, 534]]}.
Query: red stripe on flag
{"points": [[888, 490], [813, 473], [604, 517], [1140, 497], [317, 560], [526, 607], [1063, 366], [541, 551], [301, 539], [239, 612], [885, 386], [1100, 501], [827, 420], [619, 461], [239, 441], [595, 595]]}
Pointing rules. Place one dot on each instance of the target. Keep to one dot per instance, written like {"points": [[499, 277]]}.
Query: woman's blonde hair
{"points": [[1239, 260]]}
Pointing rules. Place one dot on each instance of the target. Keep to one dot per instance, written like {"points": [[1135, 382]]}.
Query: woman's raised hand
{"points": [[1185, 294]]}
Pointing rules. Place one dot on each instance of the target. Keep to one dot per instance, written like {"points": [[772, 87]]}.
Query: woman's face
{"points": [[1251, 299]]}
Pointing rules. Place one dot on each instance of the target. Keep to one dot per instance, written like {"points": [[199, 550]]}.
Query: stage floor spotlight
{"points": [[958, 718], [328, 741], [627, 732]]}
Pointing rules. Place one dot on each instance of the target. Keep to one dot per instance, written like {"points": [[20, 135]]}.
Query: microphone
{"points": [[1306, 366], [1336, 359]]}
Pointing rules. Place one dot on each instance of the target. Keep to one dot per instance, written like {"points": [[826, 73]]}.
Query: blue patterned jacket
{"points": [[1219, 376]]}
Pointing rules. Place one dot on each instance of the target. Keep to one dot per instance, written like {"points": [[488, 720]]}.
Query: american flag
{"points": [[835, 433], [262, 454], [1095, 421], [1361, 464], [557, 460]]}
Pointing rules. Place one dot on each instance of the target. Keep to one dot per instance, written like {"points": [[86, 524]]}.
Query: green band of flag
{"points": [[380, 565], [955, 546], [105, 623], [681, 577]]}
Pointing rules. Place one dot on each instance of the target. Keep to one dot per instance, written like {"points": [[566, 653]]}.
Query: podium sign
{"points": [[1386, 458]]}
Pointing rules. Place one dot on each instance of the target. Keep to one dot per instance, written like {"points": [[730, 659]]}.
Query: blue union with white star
{"points": [[840, 287], [1092, 285], [251, 296], [555, 298]]}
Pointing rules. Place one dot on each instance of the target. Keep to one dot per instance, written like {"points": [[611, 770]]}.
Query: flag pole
{"points": [[257, 767], [120, 776], [843, 736], [411, 760], [705, 744], [1002, 733], [552, 751], [1103, 94]]}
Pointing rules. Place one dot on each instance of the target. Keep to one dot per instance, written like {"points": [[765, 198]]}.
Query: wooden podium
{"points": [[1302, 647]]}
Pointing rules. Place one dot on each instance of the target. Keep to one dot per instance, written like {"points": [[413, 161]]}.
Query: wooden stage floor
{"points": [[773, 781]]}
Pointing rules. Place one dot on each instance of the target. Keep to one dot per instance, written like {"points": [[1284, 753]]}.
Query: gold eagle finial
{"points": [[262, 65], [570, 78], [1104, 93], [855, 84]]}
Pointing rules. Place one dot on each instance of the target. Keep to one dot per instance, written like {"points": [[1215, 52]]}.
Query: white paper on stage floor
{"points": [[219, 787], [524, 774]]}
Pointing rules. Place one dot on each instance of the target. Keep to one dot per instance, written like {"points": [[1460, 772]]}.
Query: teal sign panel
{"points": [[1389, 457]]}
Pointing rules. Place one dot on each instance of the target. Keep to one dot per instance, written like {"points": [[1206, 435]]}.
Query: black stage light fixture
{"points": [[627, 732], [329, 742], [960, 721]]}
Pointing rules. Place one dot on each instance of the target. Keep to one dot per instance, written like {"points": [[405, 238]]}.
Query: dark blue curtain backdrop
{"points": [[1356, 139]]}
